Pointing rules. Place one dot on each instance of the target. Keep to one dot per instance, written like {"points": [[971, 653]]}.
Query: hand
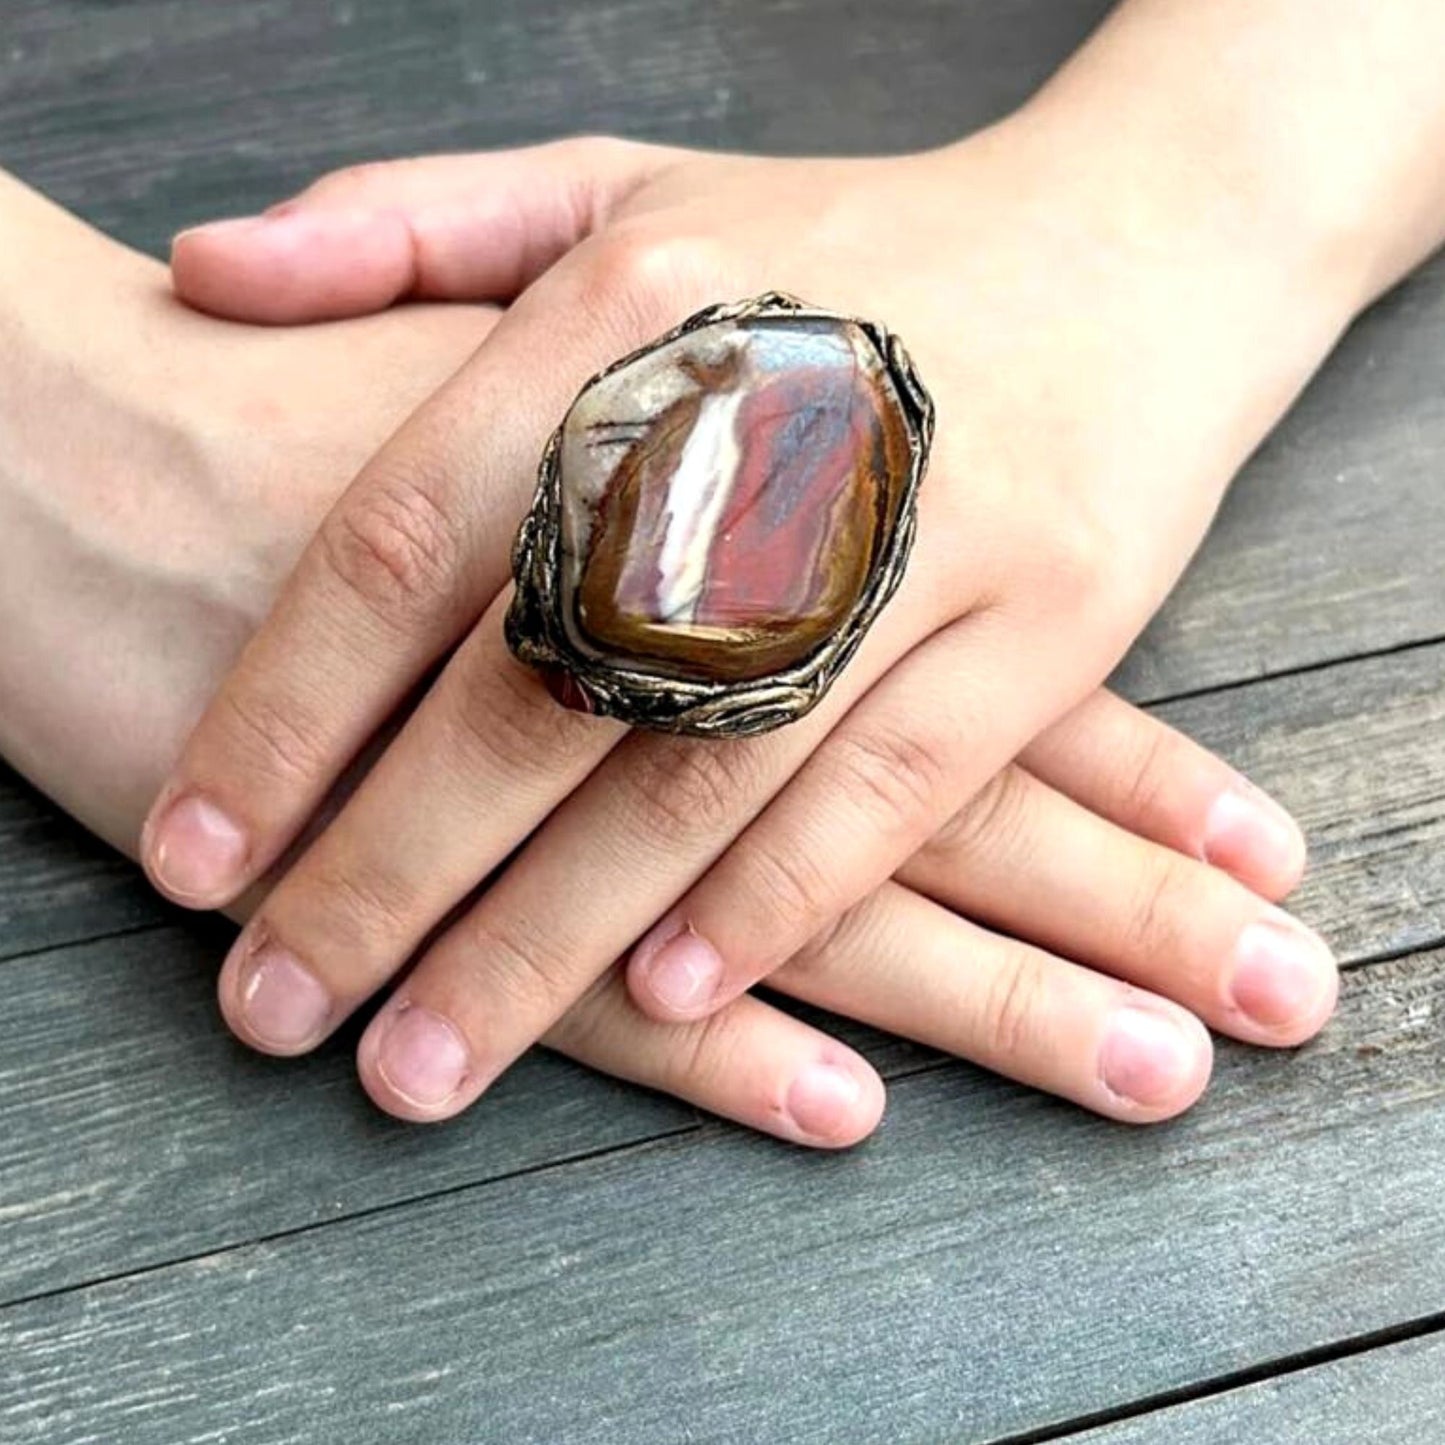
{"points": [[184, 514], [1045, 541]]}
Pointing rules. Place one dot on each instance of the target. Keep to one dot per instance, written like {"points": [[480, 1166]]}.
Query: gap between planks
{"points": [[1280, 1368]]}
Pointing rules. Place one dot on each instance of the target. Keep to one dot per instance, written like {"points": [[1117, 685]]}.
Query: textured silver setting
{"points": [[534, 625]]}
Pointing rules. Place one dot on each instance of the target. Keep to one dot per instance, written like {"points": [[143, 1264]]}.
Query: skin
{"points": [[1126, 282], [141, 545]]}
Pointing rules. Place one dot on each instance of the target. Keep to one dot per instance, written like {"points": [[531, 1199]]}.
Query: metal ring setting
{"points": [[720, 517]]}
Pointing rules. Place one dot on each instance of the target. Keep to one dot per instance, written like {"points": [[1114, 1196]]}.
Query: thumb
{"points": [[477, 227]]}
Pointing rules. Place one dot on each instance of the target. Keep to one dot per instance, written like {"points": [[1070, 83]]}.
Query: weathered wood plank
{"points": [[57, 883], [1393, 1395], [137, 1131], [981, 1268], [1357, 753], [1317, 552], [154, 113], [121, 1096], [991, 1263]]}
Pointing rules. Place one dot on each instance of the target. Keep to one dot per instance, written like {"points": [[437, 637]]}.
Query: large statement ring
{"points": [[720, 517]]}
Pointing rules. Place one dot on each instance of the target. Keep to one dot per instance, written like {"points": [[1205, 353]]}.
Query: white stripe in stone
{"points": [[707, 471]]}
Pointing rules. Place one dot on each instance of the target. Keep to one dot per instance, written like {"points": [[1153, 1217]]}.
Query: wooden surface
{"points": [[198, 1244]]}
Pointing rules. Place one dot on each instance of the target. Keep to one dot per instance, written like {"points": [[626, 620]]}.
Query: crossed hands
{"points": [[966, 842]]}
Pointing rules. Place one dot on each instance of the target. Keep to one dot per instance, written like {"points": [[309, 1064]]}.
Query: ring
{"points": [[720, 517]]}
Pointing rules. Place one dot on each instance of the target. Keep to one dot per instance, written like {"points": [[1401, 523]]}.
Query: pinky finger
{"points": [[748, 1062], [1131, 768], [902, 963]]}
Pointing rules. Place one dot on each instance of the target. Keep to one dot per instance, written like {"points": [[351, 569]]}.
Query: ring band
{"points": [[720, 517]]}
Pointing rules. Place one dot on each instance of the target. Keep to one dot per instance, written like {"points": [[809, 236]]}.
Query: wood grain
{"points": [[138, 1131], [1392, 1395], [57, 883], [150, 114], [1357, 754], [130, 1116], [1316, 552], [992, 1263]]}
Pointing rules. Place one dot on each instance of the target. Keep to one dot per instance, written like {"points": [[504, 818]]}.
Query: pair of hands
{"points": [[1093, 399]]}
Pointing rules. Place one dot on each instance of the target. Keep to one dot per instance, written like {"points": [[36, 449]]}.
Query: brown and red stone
{"points": [[723, 497]]}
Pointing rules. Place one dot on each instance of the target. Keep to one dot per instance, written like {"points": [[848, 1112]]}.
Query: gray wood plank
{"points": [[153, 113], [1357, 753], [58, 884], [992, 1263], [1322, 549], [131, 1120], [136, 1130], [1393, 1395], [980, 1269]]}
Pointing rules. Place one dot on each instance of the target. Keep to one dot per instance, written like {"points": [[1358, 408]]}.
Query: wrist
{"points": [[1296, 138], [1176, 215]]}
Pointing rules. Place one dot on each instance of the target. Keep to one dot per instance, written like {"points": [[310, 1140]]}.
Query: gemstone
{"points": [[725, 496]]}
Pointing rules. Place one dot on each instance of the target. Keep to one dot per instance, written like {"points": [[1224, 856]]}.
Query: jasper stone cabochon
{"points": [[723, 495]]}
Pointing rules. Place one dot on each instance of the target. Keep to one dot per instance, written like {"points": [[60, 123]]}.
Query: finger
{"points": [[1123, 764], [946, 718], [1022, 857], [905, 964], [403, 564], [455, 227], [485, 755], [750, 1062], [604, 864]]}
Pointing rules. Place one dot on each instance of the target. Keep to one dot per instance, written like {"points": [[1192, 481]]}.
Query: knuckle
{"points": [[358, 179], [275, 736], [363, 910], [992, 821], [586, 167], [594, 152], [649, 279], [504, 717], [524, 964], [708, 1056], [1155, 921], [688, 790], [1147, 779], [395, 546], [899, 776], [788, 885], [1073, 557], [1012, 1006]]}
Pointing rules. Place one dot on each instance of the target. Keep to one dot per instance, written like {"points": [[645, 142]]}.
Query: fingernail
{"points": [[684, 973], [283, 1003], [283, 222], [422, 1057], [1246, 831], [1146, 1057], [228, 226], [821, 1101], [1282, 973], [197, 853]]}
